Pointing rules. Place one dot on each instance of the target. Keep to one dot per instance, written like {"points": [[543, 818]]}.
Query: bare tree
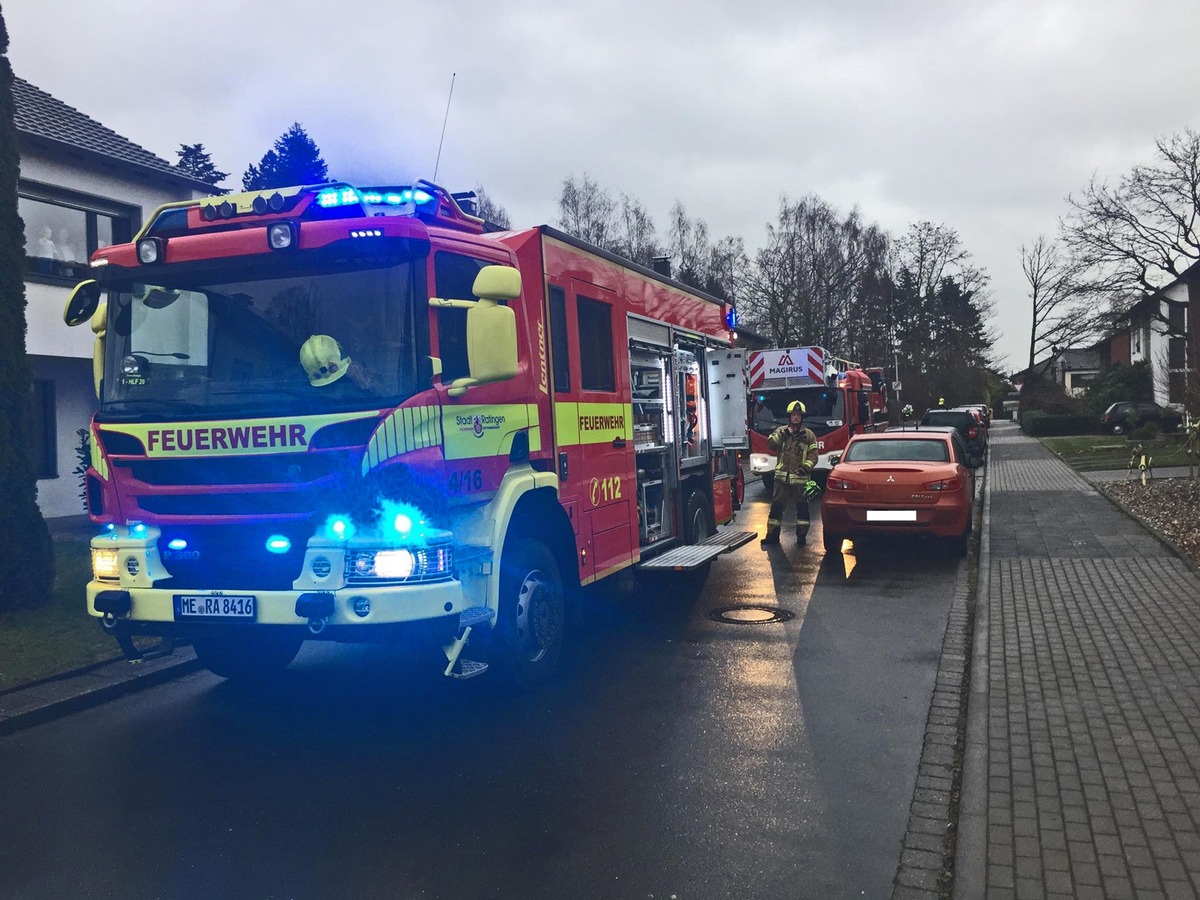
{"points": [[587, 211], [1062, 314], [636, 239], [1141, 234], [489, 210]]}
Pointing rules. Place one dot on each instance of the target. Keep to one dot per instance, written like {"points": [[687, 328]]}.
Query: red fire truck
{"points": [[840, 399], [359, 414]]}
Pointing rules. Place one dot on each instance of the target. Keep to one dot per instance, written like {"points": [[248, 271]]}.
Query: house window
{"points": [[43, 428], [60, 237], [595, 345], [1177, 369]]}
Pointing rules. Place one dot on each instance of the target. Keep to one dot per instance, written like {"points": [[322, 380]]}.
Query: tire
{"points": [[832, 541], [247, 656], [533, 612], [768, 480], [739, 488], [697, 518], [1118, 429]]}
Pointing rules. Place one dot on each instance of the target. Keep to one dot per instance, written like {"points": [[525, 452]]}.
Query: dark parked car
{"points": [[964, 422], [1128, 414]]}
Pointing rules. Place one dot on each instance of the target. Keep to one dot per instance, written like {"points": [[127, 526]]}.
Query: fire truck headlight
{"points": [[150, 251], [386, 565], [104, 565], [281, 235]]}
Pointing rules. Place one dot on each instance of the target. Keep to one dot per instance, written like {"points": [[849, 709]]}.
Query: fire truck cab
{"points": [[356, 414], [839, 397]]}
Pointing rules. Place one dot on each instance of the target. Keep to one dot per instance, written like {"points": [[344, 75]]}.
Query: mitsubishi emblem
{"points": [[891, 480]]}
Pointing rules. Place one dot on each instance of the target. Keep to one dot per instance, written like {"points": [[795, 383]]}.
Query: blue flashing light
{"points": [[403, 523], [110, 527], [373, 197], [337, 197], [731, 319], [420, 196], [339, 528], [139, 529], [278, 543], [178, 544], [393, 199]]}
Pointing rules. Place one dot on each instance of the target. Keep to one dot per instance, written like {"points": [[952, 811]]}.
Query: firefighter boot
{"points": [[801, 532], [772, 538]]}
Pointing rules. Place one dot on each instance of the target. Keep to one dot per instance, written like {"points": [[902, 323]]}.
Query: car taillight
{"points": [[972, 432], [842, 484], [946, 484]]}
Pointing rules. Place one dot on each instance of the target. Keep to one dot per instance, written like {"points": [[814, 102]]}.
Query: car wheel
{"points": [[529, 628], [769, 482], [247, 656], [1118, 429], [832, 541]]}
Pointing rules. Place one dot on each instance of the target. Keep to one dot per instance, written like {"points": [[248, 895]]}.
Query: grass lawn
{"points": [[59, 635], [1092, 452]]}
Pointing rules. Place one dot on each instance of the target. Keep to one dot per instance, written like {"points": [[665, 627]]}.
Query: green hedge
{"points": [[1039, 424]]}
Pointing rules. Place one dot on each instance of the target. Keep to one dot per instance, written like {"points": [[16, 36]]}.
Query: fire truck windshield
{"points": [[196, 348], [824, 405]]}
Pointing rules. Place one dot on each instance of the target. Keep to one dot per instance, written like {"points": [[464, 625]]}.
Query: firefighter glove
{"points": [[811, 489]]}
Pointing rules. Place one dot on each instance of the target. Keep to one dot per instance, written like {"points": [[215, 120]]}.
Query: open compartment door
{"points": [[727, 392]]}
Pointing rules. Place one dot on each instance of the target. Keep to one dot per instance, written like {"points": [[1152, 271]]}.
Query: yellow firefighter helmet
{"points": [[796, 406], [322, 359]]}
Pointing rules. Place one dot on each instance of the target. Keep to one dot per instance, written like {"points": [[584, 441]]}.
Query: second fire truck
{"points": [[840, 399]]}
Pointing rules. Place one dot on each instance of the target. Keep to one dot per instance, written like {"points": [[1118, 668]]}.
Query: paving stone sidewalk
{"points": [[1082, 770]]}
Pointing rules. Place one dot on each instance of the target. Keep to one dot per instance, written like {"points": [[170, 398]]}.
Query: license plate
{"points": [[214, 606], [891, 515]]}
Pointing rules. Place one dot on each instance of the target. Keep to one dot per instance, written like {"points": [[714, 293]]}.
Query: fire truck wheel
{"points": [[697, 519], [769, 481], [247, 656], [529, 629], [739, 489]]}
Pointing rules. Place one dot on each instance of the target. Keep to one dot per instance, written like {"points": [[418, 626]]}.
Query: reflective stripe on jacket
{"points": [[796, 452]]}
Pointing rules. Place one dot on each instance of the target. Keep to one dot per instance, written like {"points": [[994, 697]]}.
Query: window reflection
{"points": [[60, 239]]}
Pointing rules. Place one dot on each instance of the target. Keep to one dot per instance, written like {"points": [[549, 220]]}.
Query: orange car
{"points": [[910, 481]]}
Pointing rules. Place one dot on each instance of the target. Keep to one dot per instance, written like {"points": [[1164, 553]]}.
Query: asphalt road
{"points": [[677, 757]]}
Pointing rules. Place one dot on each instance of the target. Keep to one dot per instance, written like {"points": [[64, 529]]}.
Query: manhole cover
{"points": [[750, 615]]}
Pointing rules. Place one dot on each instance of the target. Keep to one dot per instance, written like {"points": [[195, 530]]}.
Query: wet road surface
{"points": [[677, 756]]}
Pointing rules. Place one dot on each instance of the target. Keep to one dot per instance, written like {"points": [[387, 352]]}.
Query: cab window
{"points": [[454, 276]]}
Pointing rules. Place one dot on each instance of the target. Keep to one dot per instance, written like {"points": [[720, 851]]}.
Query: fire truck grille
{"points": [[231, 558], [264, 504], [283, 468]]}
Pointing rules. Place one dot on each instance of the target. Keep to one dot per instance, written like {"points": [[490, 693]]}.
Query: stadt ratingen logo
{"points": [[478, 426]]}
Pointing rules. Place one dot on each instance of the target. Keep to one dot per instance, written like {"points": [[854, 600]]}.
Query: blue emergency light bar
{"points": [[348, 196]]}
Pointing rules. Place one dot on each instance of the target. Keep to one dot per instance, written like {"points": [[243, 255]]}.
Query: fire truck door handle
{"points": [[618, 443]]}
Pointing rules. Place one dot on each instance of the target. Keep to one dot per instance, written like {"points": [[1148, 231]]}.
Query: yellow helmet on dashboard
{"points": [[322, 359], [796, 406]]}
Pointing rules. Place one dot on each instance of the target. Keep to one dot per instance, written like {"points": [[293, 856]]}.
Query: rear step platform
{"points": [[692, 556]]}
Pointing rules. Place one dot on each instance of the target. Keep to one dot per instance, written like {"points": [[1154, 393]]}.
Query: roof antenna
{"points": [[438, 161]]}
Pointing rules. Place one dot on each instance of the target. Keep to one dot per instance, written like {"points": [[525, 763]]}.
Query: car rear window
{"points": [[906, 449], [957, 419]]}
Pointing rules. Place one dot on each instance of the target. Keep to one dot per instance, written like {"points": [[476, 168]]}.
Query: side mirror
{"points": [[491, 328], [82, 303], [497, 283], [834, 459]]}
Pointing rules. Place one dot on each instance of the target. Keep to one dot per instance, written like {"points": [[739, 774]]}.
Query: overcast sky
{"points": [[982, 116]]}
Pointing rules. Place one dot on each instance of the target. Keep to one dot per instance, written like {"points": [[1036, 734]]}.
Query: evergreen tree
{"points": [[197, 162], [26, 551], [295, 159]]}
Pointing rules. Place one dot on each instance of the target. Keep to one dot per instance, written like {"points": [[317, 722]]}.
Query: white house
{"points": [[81, 186]]}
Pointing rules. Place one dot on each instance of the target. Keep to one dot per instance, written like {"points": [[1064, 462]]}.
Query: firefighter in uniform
{"points": [[796, 451]]}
